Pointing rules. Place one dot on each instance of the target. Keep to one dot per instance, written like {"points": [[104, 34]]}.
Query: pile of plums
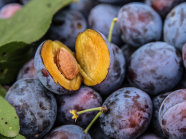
{"points": [[138, 75]]}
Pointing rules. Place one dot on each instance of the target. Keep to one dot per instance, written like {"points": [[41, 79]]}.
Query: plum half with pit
{"points": [[129, 113], [155, 68], [57, 68], [172, 115], [139, 24], [35, 106], [84, 98], [102, 64]]}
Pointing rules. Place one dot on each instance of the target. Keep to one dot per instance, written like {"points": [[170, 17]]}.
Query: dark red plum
{"points": [[172, 115], [149, 136], [68, 132], [174, 26], [84, 98], [100, 19], [84, 6], [155, 120], [116, 75], [27, 71], [9, 10], [155, 67], [35, 106], [129, 113], [66, 25], [139, 24], [163, 7]]}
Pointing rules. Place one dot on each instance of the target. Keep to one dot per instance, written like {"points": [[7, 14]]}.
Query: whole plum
{"points": [[172, 115], [66, 25], [84, 98], [100, 19], [155, 67], [68, 132], [175, 26], [139, 24], [129, 113], [35, 106]]}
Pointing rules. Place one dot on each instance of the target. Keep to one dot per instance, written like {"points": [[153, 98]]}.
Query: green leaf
{"points": [[17, 137], [2, 91], [9, 121], [12, 57], [31, 22], [25, 27]]}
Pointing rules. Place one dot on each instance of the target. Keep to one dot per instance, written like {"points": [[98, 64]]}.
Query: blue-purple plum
{"points": [[175, 26], [129, 113], [155, 67], [84, 98], [172, 115], [68, 132], [139, 24], [35, 106]]}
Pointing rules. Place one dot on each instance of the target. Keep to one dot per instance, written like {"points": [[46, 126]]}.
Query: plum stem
{"points": [[111, 29], [89, 110], [92, 122]]}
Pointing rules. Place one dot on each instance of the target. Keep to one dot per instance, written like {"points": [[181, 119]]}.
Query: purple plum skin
{"points": [[175, 26], [84, 98], [129, 113], [172, 115], [139, 24], [155, 67], [35, 106], [68, 132]]}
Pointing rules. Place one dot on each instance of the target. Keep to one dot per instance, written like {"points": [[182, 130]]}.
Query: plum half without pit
{"points": [[98, 63]]}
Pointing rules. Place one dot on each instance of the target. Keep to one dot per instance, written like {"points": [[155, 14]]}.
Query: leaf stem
{"points": [[111, 29], [91, 123]]}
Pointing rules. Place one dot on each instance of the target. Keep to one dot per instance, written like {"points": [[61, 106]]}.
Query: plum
{"points": [[184, 54], [24, 1], [57, 68], [155, 67], [92, 52], [127, 51], [175, 26], [66, 25], [129, 113], [84, 98], [35, 106], [112, 1], [163, 7], [172, 115], [100, 19], [68, 132], [27, 71], [9, 10], [139, 24]]}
